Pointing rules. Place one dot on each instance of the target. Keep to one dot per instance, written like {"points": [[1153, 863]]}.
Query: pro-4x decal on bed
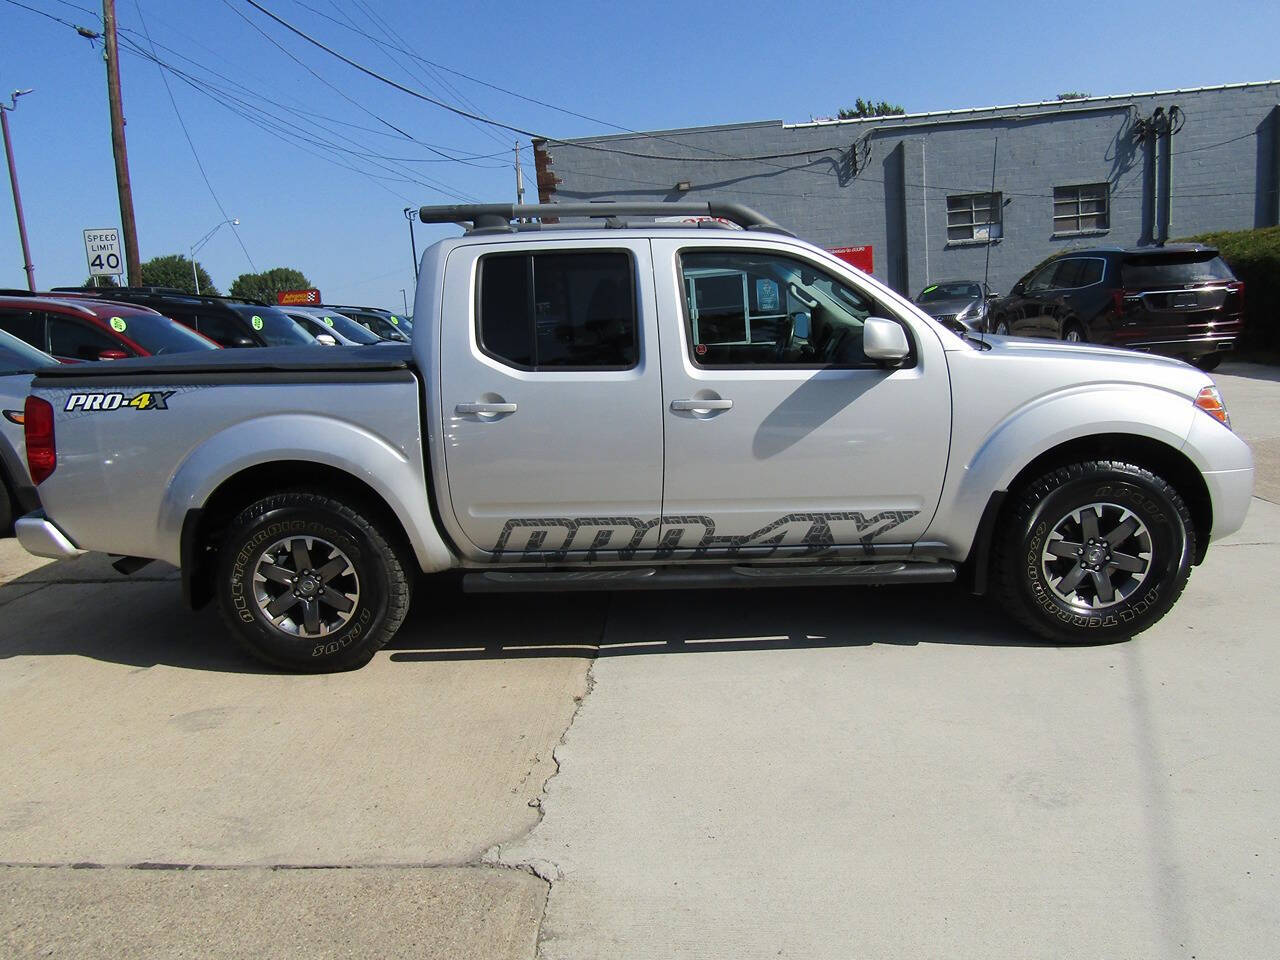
{"points": [[552, 539], [146, 400]]}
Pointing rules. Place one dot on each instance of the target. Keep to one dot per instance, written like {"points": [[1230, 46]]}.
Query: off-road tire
{"points": [[1022, 586], [381, 597]]}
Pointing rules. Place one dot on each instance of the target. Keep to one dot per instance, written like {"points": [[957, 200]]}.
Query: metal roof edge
{"points": [[675, 131], [968, 111]]}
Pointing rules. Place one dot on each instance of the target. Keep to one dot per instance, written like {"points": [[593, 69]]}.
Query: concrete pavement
{"points": [[135, 734]]}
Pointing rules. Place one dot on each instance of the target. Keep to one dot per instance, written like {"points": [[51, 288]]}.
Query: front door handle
{"points": [[700, 406], [485, 408]]}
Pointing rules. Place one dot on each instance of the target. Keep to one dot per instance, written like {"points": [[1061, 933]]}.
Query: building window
{"points": [[974, 216], [1080, 209]]}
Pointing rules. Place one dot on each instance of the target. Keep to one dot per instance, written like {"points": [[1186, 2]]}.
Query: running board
{"points": [[708, 577]]}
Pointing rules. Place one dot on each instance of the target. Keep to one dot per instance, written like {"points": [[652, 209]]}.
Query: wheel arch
{"points": [[202, 527], [1161, 459]]}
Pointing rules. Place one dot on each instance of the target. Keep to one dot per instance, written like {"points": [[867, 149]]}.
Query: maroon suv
{"points": [[1180, 300], [76, 330]]}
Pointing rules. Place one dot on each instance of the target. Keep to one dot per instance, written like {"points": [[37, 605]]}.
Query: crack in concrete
{"points": [[545, 870]]}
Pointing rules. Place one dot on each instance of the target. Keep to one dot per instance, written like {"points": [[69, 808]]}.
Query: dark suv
{"points": [[226, 321], [1180, 300]]}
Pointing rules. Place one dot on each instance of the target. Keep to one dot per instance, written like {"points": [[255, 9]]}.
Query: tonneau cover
{"points": [[263, 360]]}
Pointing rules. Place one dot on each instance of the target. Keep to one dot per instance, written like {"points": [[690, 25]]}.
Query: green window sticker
{"points": [[118, 324], [930, 289], [329, 321], [395, 320], [257, 322]]}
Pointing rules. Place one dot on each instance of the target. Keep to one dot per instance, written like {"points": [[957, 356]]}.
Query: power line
{"points": [[194, 152]]}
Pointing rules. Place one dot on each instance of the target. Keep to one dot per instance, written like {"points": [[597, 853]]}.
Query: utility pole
{"points": [[409, 214], [127, 222], [17, 197], [519, 176]]}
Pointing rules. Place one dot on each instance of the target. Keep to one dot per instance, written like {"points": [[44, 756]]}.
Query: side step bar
{"points": [[708, 577]]}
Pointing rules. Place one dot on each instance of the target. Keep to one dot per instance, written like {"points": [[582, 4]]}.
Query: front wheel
{"points": [[1002, 328], [1072, 333], [1094, 552], [1208, 362], [309, 583]]}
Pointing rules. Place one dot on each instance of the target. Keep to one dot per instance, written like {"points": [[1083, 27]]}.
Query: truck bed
{"points": [[261, 360]]}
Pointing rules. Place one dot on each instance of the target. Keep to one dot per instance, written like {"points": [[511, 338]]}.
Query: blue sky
{"points": [[636, 65]]}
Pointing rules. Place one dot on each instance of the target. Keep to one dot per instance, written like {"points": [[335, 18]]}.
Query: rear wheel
{"points": [[1093, 552], [1073, 333], [1002, 328], [6, 508], [310, 584]]}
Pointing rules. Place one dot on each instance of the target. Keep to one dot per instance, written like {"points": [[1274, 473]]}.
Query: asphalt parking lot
{"points": [[893, 773]]}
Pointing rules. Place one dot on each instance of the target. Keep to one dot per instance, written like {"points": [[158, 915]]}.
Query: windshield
{"points": [[18, 355], [950, 291], [1175, 269], [273, 326], [158, 335]]}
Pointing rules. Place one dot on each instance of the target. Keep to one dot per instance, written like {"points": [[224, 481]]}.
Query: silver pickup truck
{"points": [[639, 405]]}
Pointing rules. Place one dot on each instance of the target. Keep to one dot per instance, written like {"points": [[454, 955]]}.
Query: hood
{"points": [[937, 308], [1089, 362]]}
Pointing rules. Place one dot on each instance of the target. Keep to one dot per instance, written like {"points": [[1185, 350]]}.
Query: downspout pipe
{"points": [[1157, 126]]}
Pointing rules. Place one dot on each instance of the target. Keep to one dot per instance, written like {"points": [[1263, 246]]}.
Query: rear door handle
{"points": [[485, 408], [697, 406]]}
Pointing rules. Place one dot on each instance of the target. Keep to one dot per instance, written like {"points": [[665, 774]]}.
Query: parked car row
{"points": [[1180, 300]]}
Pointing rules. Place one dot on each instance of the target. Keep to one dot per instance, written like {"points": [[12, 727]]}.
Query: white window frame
{"points": [[1067, 213], [984, 221]]}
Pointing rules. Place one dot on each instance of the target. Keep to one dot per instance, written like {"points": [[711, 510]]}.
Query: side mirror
{"points": [[992, 296], [884, 341], [243, 342], [1018, 289], [327, 339], [112, 355]]}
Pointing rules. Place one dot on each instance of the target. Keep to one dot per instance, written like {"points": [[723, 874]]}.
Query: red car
{"points": [[75, 330]]}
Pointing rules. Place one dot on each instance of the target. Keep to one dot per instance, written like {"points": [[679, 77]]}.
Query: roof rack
{"points": [[109, 293], [499, 216]]}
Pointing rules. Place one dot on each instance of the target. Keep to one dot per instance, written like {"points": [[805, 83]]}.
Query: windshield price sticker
{"points": [[256, 322], [118, 324]]}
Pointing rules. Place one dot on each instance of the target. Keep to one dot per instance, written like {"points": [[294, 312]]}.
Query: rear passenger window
{"points": [[1092, 272], [222, 328], [26, 325], [1067, 276], [79, 341], [559, 311]]}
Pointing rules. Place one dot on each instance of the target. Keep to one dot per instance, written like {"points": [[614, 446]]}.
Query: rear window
{"points": [[274, 326], [158, 335], [1174, 269]]}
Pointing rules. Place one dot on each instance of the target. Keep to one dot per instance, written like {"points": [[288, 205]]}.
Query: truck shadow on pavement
{"points": [[142, 622], [455, 626]]}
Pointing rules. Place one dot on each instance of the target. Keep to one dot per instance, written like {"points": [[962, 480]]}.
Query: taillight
{"points": [[42, 452], [1210, 401], [1237, 287], [1117, 300]]}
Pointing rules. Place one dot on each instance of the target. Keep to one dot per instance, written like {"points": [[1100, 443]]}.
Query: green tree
{"points": [[264, 286], [869, 108], [1073, 95], [101, 282], [174, 270]]}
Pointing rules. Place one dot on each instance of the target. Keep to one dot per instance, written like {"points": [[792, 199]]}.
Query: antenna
{"points": [[986, 270]]}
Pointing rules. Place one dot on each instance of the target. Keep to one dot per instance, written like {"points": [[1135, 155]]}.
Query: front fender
{"points": [[983, 463], [396, 475]]}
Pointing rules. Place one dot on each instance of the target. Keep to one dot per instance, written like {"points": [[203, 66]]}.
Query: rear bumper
{"points": [[1182, 346], [39, 535]]}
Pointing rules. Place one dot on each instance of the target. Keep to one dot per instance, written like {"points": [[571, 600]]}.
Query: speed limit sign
{"points": [[102, 250]]}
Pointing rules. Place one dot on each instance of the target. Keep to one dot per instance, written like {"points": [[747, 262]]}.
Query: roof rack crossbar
{"points": [[489, 216]]}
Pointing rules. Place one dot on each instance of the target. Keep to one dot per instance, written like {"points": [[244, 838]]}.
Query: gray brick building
{"points": [[917, 189]]}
